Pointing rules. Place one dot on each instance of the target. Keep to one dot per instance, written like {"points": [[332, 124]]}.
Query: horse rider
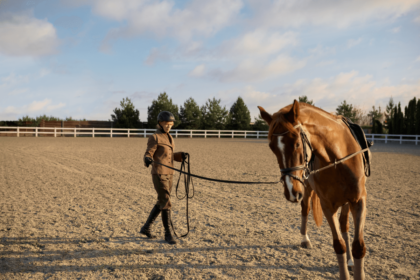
{"points": [[160, 148]]}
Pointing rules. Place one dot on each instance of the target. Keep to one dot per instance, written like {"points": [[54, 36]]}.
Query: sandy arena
{"points": [[72, 209]]}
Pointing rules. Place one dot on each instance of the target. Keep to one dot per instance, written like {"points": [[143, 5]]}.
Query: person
{"points": [[160, 148]]}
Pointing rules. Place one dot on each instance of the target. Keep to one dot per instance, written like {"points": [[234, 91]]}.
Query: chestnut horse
{"points": [[326, 139]]}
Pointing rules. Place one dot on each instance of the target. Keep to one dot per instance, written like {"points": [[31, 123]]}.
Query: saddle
{"points": [[360, 137]]}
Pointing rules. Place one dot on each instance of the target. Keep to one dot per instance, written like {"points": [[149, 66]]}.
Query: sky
{"points": [[80, 58]]}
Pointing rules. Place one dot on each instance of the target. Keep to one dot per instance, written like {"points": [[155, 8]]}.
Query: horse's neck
{"points": [[329, 137]]}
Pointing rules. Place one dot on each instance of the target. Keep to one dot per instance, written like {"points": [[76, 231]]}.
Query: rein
{"points": [[188, 179]]}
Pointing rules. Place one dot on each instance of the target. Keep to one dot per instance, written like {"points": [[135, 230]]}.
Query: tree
{"points": [[239, 117], [127, 116], [29, 121], [260, 124], [395, 121], [388, 113], [304, 99], [376, 114], [214, 116], [418, 117], [190, 115], [163, 103], [400, 120], [410, 117], [347, 111]]}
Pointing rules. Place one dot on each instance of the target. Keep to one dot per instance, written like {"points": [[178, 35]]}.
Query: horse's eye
{"points": [[297, 145]]}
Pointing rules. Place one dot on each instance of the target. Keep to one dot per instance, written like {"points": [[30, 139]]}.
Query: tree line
{"points": [[213, 116]]}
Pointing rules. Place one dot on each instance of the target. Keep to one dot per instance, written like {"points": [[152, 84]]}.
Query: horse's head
{"points": [[286, 143]]}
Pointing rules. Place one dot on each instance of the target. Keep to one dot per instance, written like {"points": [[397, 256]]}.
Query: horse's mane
{"points": [[280, 118]]}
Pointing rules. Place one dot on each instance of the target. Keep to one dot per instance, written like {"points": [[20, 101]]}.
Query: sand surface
{"points": [[72, 208]]}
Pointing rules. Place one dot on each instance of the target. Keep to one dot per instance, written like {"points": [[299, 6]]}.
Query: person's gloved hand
{"points": [[184, 156], [147, 161]]}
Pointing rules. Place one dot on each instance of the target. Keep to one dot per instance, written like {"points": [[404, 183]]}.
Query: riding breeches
{"points": [[163, 187]]}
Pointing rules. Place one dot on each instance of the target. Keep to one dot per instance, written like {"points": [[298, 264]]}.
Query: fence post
{"points": [[258, 134], [36, 131], [219, 134], [93, 132], [128, 135], [400, 139], [232, 133], [386, 138], [74, 132], [417, 140], [245, 134], [176, 133], [55, 132], [144, 133], [111, 133], [17, 132], [205, 133], [191, 134]]}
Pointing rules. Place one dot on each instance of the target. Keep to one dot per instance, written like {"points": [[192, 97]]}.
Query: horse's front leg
{"points": [[338, 242], [358, 210], [305, 243], [344, 225]]}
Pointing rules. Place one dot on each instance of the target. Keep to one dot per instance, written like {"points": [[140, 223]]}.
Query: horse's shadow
{"points": [[7, 258]]}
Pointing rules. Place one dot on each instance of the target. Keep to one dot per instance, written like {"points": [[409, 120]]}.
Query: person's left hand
{"points": [[184, 156]]}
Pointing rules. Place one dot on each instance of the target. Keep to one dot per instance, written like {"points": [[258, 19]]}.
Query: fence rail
{"points": [[118, 132]]}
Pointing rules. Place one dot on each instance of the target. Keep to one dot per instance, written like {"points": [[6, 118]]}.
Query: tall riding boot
{"points": [[166, 219], [146, 229]]}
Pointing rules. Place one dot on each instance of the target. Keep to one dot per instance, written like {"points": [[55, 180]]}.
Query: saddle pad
{"points": [[360, 137]]}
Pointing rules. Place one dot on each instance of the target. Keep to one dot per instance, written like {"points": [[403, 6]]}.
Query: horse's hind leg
{"points": [[358, 210], [305, 243], [344, 225]]}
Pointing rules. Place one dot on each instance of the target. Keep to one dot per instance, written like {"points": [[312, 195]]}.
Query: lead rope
{"points": [[187, 181]]}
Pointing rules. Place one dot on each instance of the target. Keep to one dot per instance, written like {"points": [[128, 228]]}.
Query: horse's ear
{"points": [[293, 114], [266, 116]]}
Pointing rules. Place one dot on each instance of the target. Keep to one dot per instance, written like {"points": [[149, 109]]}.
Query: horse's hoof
{"points": [[306, 245]]}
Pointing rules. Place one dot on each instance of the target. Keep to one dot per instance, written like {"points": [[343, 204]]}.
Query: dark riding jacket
{"points": [[160, 147]]}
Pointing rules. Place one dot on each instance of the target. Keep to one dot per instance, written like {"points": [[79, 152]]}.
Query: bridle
{"points": [[307, 166]]}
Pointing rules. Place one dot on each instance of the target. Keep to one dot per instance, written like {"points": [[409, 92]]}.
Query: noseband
{"points": [[307, 166]]}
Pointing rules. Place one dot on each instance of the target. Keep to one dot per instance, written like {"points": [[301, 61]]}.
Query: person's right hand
{"points": [[147, 161]]}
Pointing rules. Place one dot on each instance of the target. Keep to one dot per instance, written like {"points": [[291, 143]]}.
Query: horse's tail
{"points": [[316, 209]]}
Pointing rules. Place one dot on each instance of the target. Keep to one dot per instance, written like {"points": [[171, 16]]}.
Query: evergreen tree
{"points": [[347, 111], [213, 115], [411, 117], [239, 117], [127, 116], [304, 99], [388, 112], [418, 117], [395, 121], [400, 119], [190, 115], [260, 124], [163, 103]]}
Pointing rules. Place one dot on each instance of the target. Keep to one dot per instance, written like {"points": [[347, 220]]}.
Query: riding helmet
{"points": [[165, 116]]}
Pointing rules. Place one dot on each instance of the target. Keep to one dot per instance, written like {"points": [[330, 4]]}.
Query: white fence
{"points": [[119, 132], [110, 132]]}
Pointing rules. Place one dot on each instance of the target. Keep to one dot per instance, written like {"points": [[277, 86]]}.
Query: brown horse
{"points": [[327, 139]]}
